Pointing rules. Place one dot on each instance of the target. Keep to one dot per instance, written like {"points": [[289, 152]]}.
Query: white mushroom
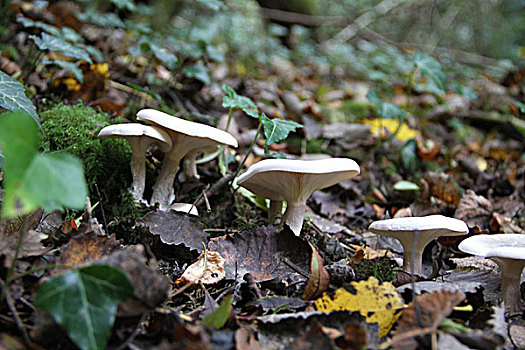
{"points": [[185, 208], [294, 181], [139, 137], [185, 136], [428, 228], [189, 164], [508, 251]]}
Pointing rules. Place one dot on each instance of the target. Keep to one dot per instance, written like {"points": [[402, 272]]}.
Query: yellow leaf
{"points": [[378, 302], [208, 269], [405, 133]]}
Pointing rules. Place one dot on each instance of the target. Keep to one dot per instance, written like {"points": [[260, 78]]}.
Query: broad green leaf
{"points": [[28, 23], [125, 5], [53, 43], [84, 302], [13, 97], [385, 110], [277, 129], [214, 5], [431, 68], [34, 180], [233, 100], [198, 72], [405, 186], [409, 156], [70, 66], [217, 319], [166, 57]]}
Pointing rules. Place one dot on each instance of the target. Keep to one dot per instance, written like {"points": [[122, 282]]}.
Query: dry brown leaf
{"points": [[443, 187], [319, 279], [208, 269], [474, 210], [31, 246], [369, 253], [82, 250], [432, 309]]}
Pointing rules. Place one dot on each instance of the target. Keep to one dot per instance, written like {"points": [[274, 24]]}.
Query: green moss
{"points": [[106, 161], [382, 268]]}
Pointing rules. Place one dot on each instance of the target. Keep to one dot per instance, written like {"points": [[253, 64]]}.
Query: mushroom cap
{"points": [[186, 127], [186, 208], [129, 130], [291, 180], [429, 227], [510, 246]]}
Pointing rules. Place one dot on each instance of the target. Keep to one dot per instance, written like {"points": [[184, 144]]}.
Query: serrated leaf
{"points": [[198, 72], [34, 180], [53, 43], [70, 66], [277, 129], [13, 97], [233, 100], [431, 68], [218, 318], [84, 302]]}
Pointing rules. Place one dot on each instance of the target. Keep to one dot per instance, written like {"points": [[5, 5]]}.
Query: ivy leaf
{"points": [[217, 319], [164, 56], [198, 72], [70, 66], [233, 100], [124, 5], [385, 110], [28, 23], [13, 97], [84, 302], [277, 129], [32, 179], [409, 156], [431, 68], [53, 43]]}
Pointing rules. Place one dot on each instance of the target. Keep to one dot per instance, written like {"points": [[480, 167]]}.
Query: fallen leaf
{"points": [[264, 252], [474, 210], [404, 133], [443, 187], [175, 228], [431, 310], [369, 253], [354, 338], [218, 318], [31, 246], [378, 302], [319, 279], [208, 269], [82, 250], [313, 338]]}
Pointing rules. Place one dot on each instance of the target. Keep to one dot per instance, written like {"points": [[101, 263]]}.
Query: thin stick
{"points": [[102, 210], [247, 153]]}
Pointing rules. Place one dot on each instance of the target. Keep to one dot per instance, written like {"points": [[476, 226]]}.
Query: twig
{"points": [[10, 303], [363, 21], [133, 335], [102, 210], [215, 187]]}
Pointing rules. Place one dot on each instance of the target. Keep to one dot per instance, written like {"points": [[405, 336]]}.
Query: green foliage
{"points": [[34, 180], [13, 97], [54, 43], [385, 109], [431, 68], [70, 66], [217, 319], [232, 100], [276, 129], [84, 302], [106, 161], [382, 268]]}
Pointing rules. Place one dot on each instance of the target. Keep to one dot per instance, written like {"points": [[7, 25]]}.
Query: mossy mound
{"points": [[74, 129]]}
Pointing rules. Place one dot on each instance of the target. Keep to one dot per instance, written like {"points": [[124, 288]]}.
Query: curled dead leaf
{"points": [[208, 269], [319, 279]]}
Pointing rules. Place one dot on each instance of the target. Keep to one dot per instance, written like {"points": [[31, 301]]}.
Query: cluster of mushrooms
{"points": [[293, 181]]}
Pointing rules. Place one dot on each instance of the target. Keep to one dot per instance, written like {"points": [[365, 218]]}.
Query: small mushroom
{"points": [[428, 228], [294, 181], [189, 164], [185, 208], [186, 136], [139, 137], [508, 251]]}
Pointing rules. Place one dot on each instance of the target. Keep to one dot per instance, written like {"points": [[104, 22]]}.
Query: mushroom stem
{"points": [[189, 166], [163, 189], [275, 211], [412, 258], [294, 216], [138, 165], [510, 283]]}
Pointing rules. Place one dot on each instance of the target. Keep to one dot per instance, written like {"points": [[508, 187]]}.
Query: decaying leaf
{"points": [[369, 253], [265, 252], [474, 210], [404, 132], [313, 338], [31, 246], [218, 318], [175, 228], [319, 279], [378, 302], [208, 269], [443, 187], [82, 250], [432, 309]]}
